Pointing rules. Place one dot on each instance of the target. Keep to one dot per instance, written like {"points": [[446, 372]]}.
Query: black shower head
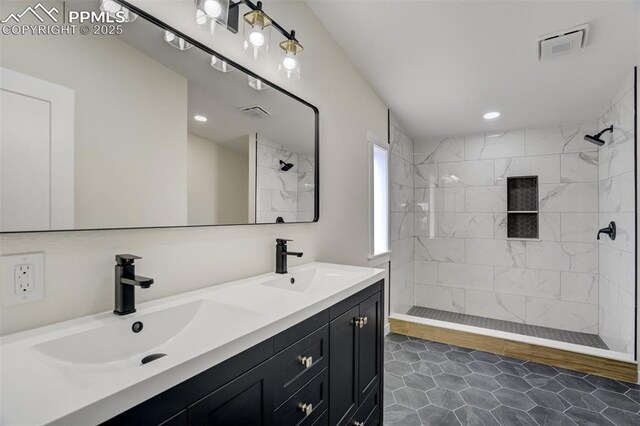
{"points": [[597, 138], [285, 166]]}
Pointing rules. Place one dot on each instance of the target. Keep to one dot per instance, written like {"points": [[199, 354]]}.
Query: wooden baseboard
{"points": [[620, 370]]}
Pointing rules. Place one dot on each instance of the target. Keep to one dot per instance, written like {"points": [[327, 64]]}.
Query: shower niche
{"points": [[522, 207]]}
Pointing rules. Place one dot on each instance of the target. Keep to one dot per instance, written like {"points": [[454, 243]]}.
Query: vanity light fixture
{"points": [[491, 115], [200, 118], [212, 12], [220, 65], [256, 30], [257, 84], [177, 42], [116, 10], [290, 64]]}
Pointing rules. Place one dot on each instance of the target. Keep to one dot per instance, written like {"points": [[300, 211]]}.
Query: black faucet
{"points": [[281, 255], [609, 230], [126, 280]]}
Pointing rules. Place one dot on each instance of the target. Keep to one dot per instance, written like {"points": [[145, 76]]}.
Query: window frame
{"points": [[383, 256]]}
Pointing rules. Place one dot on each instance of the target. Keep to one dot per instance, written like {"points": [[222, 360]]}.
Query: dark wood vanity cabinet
{"points": [[325, 370]]}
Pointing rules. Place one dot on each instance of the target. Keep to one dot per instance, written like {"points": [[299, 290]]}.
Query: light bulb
{"points": [[169, 36], [110, 6], [289, 63], [256, 38], [213, 8]]}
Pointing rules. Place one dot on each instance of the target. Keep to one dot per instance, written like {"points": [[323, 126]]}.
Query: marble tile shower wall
{"points": [[617, 203], [289, 194], [462, 258], [402, 220]]}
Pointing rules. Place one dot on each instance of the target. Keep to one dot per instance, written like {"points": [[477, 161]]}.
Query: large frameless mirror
{"points": [[144, 127]]}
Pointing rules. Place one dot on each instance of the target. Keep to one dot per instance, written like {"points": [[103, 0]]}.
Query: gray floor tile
{"points": [[616, 400], [508, 416], [431, 383], [541, 369], [398, 368], [621, 417], [484, 368], [474, 416], [445, 398], [432, 356], [485, 357], [546, 417], [479, 381], [544, 382], [584, 339], [582, 400], [400, 415], [455, 368], [392, 382], [396, 338], [512, 382], [576, 383], [514, 399], [436, 416], [426, 367], [419, 381], [606, 384], [410, 397], [513, 368], [406, 356], [451, 382], [459, 357], [413, 346], [584, 417], [547, 399], [479, 398]]}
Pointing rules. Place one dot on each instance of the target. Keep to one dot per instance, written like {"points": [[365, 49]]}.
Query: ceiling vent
{"points": [[571, 40], [256, 111]]}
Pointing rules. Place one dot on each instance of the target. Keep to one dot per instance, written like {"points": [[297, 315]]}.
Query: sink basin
{"points": [[162, 331], [312, 280]]}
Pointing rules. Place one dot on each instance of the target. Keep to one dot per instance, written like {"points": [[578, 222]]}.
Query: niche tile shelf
{"points": [[522, 207]]}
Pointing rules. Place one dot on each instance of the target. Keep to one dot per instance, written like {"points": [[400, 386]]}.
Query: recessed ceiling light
{"points": [[201, 118], [491, 115]]}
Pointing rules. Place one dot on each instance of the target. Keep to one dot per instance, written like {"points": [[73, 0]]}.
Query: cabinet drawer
{"points": [[313, 393], [368, 413], [297, 364]]}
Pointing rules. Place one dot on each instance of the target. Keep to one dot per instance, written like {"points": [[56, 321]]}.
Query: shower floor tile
{"points": [[584, 339]]}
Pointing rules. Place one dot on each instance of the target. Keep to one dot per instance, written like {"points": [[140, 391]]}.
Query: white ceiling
{"points": [[440, 65]]}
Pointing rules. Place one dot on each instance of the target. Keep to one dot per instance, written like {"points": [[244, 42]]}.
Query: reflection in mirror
{"points": [[143, 129]]}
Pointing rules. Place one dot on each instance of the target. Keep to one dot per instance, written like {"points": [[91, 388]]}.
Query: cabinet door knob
{"points": [[357, 423], [360, 321], [306, 361], [364, 321], [306, 409]]}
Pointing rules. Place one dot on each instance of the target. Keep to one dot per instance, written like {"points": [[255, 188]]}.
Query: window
{"points": [[379, 199]]}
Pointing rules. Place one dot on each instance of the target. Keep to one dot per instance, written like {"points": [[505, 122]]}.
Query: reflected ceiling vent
{"points": [[256, 111], [571, 40]]}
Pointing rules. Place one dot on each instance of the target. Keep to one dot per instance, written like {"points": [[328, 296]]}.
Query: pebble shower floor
{"points": [[431, 383]]}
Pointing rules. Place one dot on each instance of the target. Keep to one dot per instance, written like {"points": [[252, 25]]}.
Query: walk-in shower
{"points": [[528, 232]]}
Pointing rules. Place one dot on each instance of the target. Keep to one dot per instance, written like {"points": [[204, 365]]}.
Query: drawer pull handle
{"points": [[360, 321], [306, 361], [306, 409], [357, 423]]}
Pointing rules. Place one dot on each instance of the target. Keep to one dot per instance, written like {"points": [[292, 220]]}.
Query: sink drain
{"points": [[151, 357], [292, 280]]}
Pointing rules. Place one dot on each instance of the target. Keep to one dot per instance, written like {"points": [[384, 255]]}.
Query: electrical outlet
{"points": [[22, 278]]}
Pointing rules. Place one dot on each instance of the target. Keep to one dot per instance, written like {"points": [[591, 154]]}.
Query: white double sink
{"points": [[90, 369]]}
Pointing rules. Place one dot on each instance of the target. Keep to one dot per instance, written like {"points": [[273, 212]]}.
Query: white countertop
{"points": [[37, 389]]}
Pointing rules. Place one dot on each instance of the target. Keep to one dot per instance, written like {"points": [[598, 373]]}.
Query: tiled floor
{"points": [[430, 383], [584, 339]]}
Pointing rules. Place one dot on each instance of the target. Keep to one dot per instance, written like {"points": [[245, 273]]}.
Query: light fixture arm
{"points": [[234, 18]]}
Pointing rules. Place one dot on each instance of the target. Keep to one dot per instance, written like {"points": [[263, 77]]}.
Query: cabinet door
{"points": [[369, 346], [247, 400], [343, 367]]}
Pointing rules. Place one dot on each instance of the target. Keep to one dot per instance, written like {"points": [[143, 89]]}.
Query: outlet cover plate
{"points": [[10, 296]]}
